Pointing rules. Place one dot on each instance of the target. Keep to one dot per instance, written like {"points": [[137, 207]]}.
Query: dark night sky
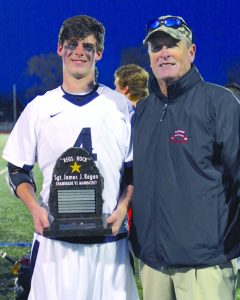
{"points": [[30, 27]]}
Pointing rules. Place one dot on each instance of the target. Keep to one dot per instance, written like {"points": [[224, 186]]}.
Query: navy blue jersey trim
{"points": [[27, 167], [127, 176], [81, 100], [33, 258], [128, 164]]}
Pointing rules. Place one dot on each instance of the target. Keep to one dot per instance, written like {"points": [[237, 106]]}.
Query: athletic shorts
{"points": [[66, 271]]}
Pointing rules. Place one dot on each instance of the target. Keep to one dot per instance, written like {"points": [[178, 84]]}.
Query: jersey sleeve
{"points": [[130, 120], [20, 148]]}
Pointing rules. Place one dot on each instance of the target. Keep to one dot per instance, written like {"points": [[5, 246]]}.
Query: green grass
{"points": [[137, 278], [3, 139], [15, 226]]}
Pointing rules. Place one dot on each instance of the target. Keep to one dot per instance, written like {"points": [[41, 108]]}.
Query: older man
{"points": [[186, 175]]}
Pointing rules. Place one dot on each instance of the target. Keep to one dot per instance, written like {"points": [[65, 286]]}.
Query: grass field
{"points": [[16, 226]]}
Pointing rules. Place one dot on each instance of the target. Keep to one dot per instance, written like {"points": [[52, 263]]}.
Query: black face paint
{"points": [[87, 47]]}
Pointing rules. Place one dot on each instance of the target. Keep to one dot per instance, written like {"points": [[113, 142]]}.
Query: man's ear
{"points": [[125, 90], [192, 52], [99, 55], [60, 50]]}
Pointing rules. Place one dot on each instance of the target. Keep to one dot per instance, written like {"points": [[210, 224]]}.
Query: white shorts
{"points": [[66, 271]]}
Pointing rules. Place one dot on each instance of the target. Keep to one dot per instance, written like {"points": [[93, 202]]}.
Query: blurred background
{"points": [[30, 66], [29, 31]]}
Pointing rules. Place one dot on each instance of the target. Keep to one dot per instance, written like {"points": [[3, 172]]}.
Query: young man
{"points": [[82, 114], [132, 81], [186, 212]]}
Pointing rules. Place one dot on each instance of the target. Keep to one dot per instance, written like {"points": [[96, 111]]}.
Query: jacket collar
{"points": [[179, 87]]}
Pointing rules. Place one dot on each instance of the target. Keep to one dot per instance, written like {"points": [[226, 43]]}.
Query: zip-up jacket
{"points": [[186, 208]]}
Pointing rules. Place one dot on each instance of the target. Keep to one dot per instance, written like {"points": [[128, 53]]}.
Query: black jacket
{"points": [[186, 175]]}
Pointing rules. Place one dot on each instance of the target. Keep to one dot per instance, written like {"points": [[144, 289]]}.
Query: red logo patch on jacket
{"points": [[179, 137]]}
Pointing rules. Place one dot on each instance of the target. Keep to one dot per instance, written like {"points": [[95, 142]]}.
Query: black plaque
{"points": [[75, 200]]}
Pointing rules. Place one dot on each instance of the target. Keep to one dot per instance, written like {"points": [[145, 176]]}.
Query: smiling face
{"points": [[170, 59], [79, 58]]}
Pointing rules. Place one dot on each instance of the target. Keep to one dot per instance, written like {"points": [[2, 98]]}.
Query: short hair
{"points": [[80, 27], [188, 42], [136, 78]]}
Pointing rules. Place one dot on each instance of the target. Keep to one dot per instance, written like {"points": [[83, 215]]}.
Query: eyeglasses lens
{"points": [[172, 22], [153, 25], [169, 22]]}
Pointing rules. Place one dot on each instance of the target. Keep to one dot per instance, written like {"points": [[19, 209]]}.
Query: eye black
{"points": [[89, 47], [71, 46]]}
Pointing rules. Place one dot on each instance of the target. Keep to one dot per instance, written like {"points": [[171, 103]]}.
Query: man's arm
{"points": [[119, 214], [26, 193], [22, 184]]}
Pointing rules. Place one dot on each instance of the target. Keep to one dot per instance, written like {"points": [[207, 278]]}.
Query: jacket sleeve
{"points": [[228, 134]]}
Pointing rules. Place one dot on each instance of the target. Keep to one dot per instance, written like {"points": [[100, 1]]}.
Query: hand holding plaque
{"points": [[75, 200]]}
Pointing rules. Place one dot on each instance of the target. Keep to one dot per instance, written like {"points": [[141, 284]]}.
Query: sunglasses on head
{"points": [[172, 22]]}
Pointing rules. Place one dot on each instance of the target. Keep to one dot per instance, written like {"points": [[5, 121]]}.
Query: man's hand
{"points": [[39, 214], [119, 214], [117, 217], [40, 219]]}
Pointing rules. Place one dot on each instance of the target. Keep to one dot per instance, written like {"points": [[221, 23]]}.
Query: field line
{"points": [[20, 244], [3, 171]]}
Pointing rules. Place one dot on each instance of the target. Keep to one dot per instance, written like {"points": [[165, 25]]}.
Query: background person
{"points": [[186, 170], [132, 81], [80, 113]]}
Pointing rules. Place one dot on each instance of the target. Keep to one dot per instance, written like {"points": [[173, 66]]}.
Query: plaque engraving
{"points": [[75, 200]]}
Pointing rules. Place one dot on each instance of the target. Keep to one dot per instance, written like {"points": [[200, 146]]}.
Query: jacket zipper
{"points": [[158, 146], [164, 111]]}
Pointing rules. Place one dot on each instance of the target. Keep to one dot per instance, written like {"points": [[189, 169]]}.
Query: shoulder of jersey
{"points": [[44, 106], [114, 96], [49, 97], [110, 93]]}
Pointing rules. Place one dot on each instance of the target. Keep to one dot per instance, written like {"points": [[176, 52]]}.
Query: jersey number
{"points": [[84, 140]]}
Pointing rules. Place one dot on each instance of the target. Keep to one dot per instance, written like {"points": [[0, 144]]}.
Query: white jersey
{"points": [[56, 121]]}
